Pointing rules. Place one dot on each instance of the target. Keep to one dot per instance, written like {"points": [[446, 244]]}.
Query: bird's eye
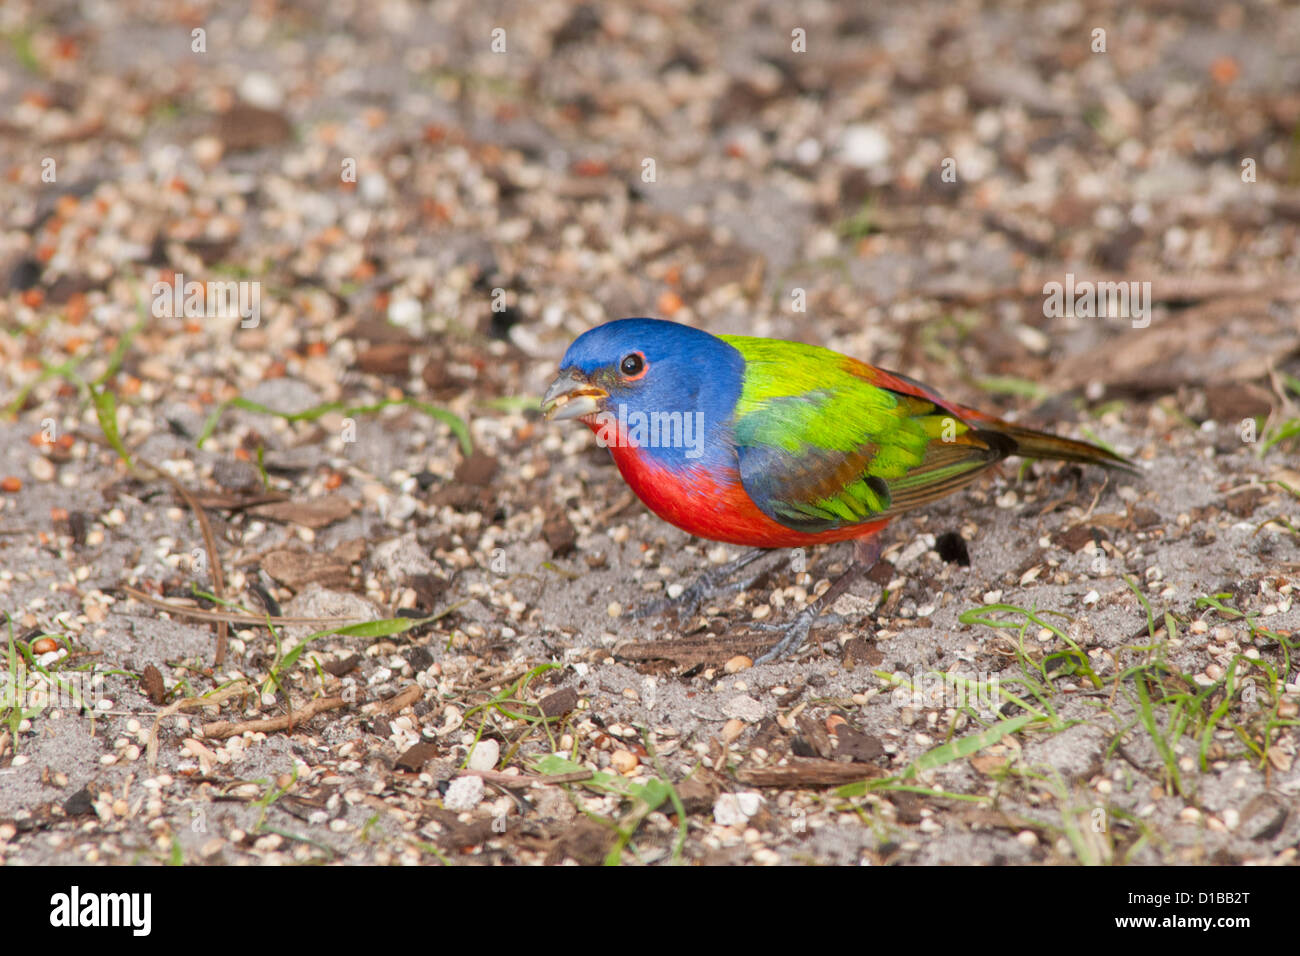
{"points": [[633, 365]]}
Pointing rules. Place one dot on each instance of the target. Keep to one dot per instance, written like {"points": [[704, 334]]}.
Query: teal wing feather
{"points": [[824, 441]]}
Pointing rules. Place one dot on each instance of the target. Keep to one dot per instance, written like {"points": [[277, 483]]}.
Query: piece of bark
{"points": [[807, 772], [297, 569], [317, 513]]}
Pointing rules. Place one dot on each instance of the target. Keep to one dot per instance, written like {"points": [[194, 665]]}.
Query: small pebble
{"points": [[484, 756], [737, 664], [464, 793], [266, 844], [625, 762], [863, 145], [735, 809], [207, 151]]}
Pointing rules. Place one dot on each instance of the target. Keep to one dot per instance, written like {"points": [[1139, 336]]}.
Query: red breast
{"points": [[714, 505]]}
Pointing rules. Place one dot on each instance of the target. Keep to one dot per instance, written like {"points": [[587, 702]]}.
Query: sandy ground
{"points": [[428, 212]]}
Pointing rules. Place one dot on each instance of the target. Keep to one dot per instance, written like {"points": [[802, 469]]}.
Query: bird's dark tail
{"points": [[1003, 438], [1030, 443]]}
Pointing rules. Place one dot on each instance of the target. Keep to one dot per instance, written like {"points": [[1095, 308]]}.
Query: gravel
{"points": [[428, 224]]}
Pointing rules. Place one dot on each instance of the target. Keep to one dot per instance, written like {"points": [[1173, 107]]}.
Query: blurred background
{"points": [[909, 176]]}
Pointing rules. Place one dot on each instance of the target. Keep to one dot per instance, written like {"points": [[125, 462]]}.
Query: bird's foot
{"points": [[866, 552], [793, 634], [710, 584]]}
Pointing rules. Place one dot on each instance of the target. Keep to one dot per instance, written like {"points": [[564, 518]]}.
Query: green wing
{"points": [[825, 441]]}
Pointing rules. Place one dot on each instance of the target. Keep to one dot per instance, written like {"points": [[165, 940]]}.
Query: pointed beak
{"points": [[572, 396]]}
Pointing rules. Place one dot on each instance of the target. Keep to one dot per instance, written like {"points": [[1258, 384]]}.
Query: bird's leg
{"points": [[866, 552], [710, 584]]}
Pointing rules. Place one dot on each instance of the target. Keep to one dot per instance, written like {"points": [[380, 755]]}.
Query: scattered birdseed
{"points": [[366, 299]]}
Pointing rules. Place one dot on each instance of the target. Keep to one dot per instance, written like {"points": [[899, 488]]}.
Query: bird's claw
{"points": [[710, 584], [793, 634]]}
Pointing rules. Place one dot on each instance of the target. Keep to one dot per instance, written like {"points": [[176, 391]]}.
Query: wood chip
{"points": [[416, 756], [316, 513], [697, 649], [807, 772], [221, 729], [561, 702], [404, 698], [390, 358], [151, 681], [297, 569]]}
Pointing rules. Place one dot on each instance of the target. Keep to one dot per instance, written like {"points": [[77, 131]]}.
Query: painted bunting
{"points": [[774, 444]]}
